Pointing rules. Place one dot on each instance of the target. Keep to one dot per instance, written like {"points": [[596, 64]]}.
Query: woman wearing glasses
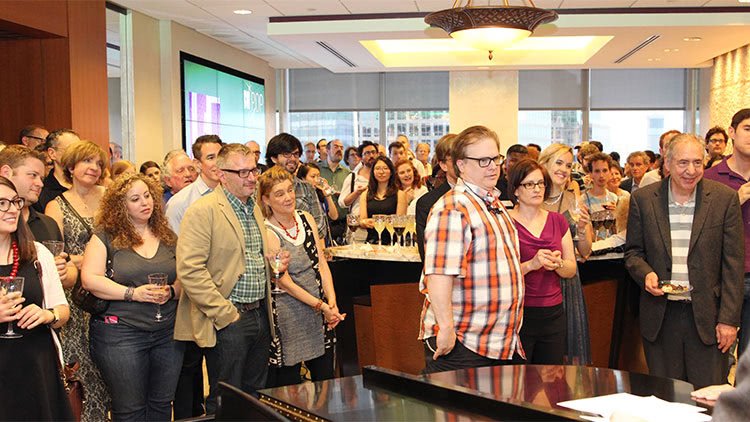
{"points": [[30, 386], [382, 196], [546, 256], [565, 199]]}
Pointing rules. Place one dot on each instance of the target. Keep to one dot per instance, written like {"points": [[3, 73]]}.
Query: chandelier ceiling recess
{"points": [[490, 28]]}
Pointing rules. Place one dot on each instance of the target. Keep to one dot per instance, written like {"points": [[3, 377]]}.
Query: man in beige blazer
{"points": [[225, 301]]}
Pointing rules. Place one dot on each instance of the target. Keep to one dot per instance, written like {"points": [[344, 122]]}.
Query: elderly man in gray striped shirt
{"points": [[685, 250]]}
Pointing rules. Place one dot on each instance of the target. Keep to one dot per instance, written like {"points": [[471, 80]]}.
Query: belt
{"points": [[247, 307]]}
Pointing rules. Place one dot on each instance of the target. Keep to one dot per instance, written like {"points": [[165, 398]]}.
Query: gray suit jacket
{"points": [[715, 257], [735, 405]]}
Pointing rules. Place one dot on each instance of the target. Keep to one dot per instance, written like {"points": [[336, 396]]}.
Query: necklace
{"points": [[556, 200], [14, 268], [296, 228]]}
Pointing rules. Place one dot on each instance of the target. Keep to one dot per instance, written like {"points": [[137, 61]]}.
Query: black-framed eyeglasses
{"points": [[294, 153], [5, 203], [531, 185], [244, 173], [35, 137], [485, 161]]}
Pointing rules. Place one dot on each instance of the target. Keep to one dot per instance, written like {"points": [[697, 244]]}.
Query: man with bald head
{"points": [[255, 150]]}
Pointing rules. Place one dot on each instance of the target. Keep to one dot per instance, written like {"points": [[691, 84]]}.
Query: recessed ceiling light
{"points": [[692, 39], [674, 50], [243, 12], [666, 50], [650, 60]]}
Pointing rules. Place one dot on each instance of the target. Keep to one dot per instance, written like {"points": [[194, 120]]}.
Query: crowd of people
{"points": [[219, 258]]}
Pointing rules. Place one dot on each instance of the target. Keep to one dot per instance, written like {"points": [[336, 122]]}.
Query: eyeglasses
{"points": [[710, 141], [5, 203], [531, 185], [290, 154], [485, 161], [244, 173], [369, 152], [35, 137]]}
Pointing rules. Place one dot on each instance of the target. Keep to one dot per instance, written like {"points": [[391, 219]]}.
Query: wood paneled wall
{"points": [[59, 78]]}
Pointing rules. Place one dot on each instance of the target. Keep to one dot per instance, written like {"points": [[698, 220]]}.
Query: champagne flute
{"points": [[11, 286], [56, 247], [275, 262], [399, 225], [575, 214], [379, 225], [158, 279], [389, 219]]}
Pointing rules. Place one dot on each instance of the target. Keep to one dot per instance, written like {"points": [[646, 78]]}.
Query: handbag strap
{"points": [[82, 220]]}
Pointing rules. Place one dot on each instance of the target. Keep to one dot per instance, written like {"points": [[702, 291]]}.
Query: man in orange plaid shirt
{"points": [[472, 274]]}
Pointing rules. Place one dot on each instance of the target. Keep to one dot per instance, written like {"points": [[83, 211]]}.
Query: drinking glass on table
{"points": [[399, 225], [389, 219], [160, 280], [13, 288], [379, 225], [411, 228], [352, 221]]}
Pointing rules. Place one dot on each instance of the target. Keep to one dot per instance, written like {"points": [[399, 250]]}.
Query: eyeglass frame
{"points": [[496, 159], [17, 201], [256, 171], [531, 185]]}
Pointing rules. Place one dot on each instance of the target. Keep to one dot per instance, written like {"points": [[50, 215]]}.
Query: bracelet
{"points": [[318, 305], [129, 294], [171, 293]]}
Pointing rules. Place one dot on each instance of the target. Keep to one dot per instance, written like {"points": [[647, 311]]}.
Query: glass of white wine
{"points": [[379, 225], [275, 261]]}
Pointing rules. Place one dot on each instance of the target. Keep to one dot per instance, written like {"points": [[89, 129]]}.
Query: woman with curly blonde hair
{"points": [[132, 342]]}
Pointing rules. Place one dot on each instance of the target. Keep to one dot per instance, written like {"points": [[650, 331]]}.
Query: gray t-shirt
{"points": [[131, 269]]}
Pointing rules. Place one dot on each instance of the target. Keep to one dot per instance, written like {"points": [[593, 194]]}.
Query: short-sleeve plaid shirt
{"points": [[477, 244], [251, 286]]}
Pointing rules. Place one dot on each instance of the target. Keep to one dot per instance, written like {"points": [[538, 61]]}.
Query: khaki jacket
{"points": [[210, 260]]}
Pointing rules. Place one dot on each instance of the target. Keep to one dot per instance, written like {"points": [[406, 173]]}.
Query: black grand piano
{"points": [[517, 392]]}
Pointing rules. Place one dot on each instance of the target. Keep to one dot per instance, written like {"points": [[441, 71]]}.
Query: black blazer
{"points": [[715, 257], [627, 184], [424, 205]]}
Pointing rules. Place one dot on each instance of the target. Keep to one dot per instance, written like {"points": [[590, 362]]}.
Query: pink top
{"points": [[542, 286]]}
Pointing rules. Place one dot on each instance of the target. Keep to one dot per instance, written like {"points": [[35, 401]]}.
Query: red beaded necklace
{"points": [[296, 228], [14, 268]]}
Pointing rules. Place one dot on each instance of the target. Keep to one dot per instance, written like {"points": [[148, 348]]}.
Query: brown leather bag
{"points": [[74, 388]]}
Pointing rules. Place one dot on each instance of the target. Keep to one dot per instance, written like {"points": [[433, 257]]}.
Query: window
{"points": [[420, 126], [351, 127], [626, 131], [543, 127]]}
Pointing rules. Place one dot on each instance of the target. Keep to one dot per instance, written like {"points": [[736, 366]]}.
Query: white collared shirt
{"points": [[179, 202]]}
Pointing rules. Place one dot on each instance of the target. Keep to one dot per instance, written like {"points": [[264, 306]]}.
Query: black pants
{"points": [[321, 368], [544, 334], [188, 399], [678, 351], [458, 358]]}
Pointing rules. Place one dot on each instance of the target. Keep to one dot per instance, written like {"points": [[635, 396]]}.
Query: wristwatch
{"points": [[55, 314]]}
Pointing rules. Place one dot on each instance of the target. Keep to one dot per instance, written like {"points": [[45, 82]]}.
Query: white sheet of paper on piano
{"points": [[649, 408]]}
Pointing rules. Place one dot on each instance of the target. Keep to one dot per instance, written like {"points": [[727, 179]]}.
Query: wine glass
{"points": [[56, 247], [411, 229], [379, 225], [275, 262], [399, 225], [389, 221], [352, 221], [11, 286], [158, 279], [575, 214]]}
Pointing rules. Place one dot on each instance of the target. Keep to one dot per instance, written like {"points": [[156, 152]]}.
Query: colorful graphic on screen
{"points": [[223, 101]]}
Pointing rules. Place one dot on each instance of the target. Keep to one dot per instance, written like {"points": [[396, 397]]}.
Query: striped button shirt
{"points": [[477, 244], [680, 227]]}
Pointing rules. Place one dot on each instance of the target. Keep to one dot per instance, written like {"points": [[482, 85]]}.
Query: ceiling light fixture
{"points": [[692, 39], [489, 28], [242, 12]]}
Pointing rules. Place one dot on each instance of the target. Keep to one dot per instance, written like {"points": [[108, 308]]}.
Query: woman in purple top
{"points": [[546, 256]]}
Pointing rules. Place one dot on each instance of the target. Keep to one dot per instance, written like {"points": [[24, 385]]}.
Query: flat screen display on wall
{"points": [[222, 101]]}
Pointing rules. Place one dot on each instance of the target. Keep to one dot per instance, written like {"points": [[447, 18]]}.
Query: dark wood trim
{"points": [[608, 11], [116, 8]]}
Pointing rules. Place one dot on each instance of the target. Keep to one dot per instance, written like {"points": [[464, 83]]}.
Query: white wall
{"points": [[156, 73]]}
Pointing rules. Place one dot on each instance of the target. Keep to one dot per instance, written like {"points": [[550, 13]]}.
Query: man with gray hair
{"points": [[178, 172], [684, 249]]}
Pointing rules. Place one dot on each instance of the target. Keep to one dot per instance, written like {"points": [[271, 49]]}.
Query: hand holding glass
{"points": [[158, 279], [275, 261], [56, 247], [11, 287]]}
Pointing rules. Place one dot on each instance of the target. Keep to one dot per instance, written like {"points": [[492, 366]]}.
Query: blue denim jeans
{"points": [[745, 320], [140, 368], [240, 357]]}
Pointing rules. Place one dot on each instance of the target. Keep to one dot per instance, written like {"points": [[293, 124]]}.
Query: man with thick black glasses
{"points": [[32, 135], [472, 271]]}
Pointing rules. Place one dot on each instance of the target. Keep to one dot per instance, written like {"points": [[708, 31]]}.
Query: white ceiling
{"points": [[216, 19]]}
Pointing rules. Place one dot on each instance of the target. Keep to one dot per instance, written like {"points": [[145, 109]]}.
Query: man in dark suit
{"points": [[638, 162], [687, 231], [425, 203]]}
